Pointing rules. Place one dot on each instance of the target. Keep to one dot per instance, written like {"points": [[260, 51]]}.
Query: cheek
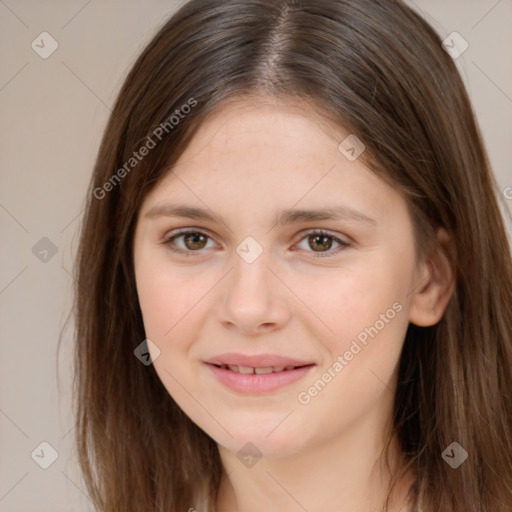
{"points": [[157, 301], [170, 305], [353, 301], [166, 296], [366, 307], [370, 320]]}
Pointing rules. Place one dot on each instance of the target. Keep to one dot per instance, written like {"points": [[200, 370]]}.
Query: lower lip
{"points": [[253, 384]]}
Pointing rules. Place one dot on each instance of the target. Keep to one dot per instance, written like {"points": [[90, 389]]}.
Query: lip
{"points": [[256, 361], [257, 384]]}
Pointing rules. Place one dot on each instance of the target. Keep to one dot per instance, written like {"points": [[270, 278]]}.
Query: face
{"points": [[268, 324]]}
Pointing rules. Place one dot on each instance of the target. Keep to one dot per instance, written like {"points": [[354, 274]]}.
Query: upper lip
{"points": [[256, 361]]}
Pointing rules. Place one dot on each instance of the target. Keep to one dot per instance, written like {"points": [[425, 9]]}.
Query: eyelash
{"points": [[168, 241]]}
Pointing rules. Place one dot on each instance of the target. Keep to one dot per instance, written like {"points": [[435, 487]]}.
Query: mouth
{"points": [[251, 370], [259, 377]]}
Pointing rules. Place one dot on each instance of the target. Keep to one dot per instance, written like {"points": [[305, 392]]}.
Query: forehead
{"points": [[255, 156], [266, 121]]}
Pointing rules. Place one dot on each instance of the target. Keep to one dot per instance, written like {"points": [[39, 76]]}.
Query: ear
{"points": [[437, 283]]}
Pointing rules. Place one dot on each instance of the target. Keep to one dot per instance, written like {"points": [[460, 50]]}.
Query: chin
{"points": [[258, 448], [271, 442]]}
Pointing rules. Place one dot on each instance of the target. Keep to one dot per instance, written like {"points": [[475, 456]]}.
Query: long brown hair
{"points": [[378, 69]]}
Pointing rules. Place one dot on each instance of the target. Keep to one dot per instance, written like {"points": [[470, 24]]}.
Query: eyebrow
{"points": [[284, 217]]}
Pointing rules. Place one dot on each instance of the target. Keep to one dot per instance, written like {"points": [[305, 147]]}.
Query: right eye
{"points": [[192, 241]]}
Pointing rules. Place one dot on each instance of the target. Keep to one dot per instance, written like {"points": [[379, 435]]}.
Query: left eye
{"points": [[320, 241], [323, 241]]}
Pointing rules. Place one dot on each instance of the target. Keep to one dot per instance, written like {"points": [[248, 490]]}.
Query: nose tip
{"points": [[253, 301]]}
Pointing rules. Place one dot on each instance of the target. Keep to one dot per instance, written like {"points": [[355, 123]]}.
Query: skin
{"points": [[249, 160]]}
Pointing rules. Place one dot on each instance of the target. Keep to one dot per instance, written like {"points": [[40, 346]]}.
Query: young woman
{"points": [[294, 282]]}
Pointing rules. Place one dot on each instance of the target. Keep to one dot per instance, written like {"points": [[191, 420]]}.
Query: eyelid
{"points": [[168, 237], [343, 244], [343, 239]]}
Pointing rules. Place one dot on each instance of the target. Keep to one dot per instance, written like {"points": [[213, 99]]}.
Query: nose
{"points": [[254, 300]]}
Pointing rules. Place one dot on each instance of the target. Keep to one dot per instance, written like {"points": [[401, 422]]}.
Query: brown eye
{"points": [[194, 241], [320, 242], [188, 242]]}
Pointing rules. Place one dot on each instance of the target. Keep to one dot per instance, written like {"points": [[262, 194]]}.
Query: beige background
{"points": [[52, 115]]}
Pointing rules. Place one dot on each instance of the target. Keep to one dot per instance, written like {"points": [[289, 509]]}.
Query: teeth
{"points": [[246, 369], [263, 370], [249, 370]]}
